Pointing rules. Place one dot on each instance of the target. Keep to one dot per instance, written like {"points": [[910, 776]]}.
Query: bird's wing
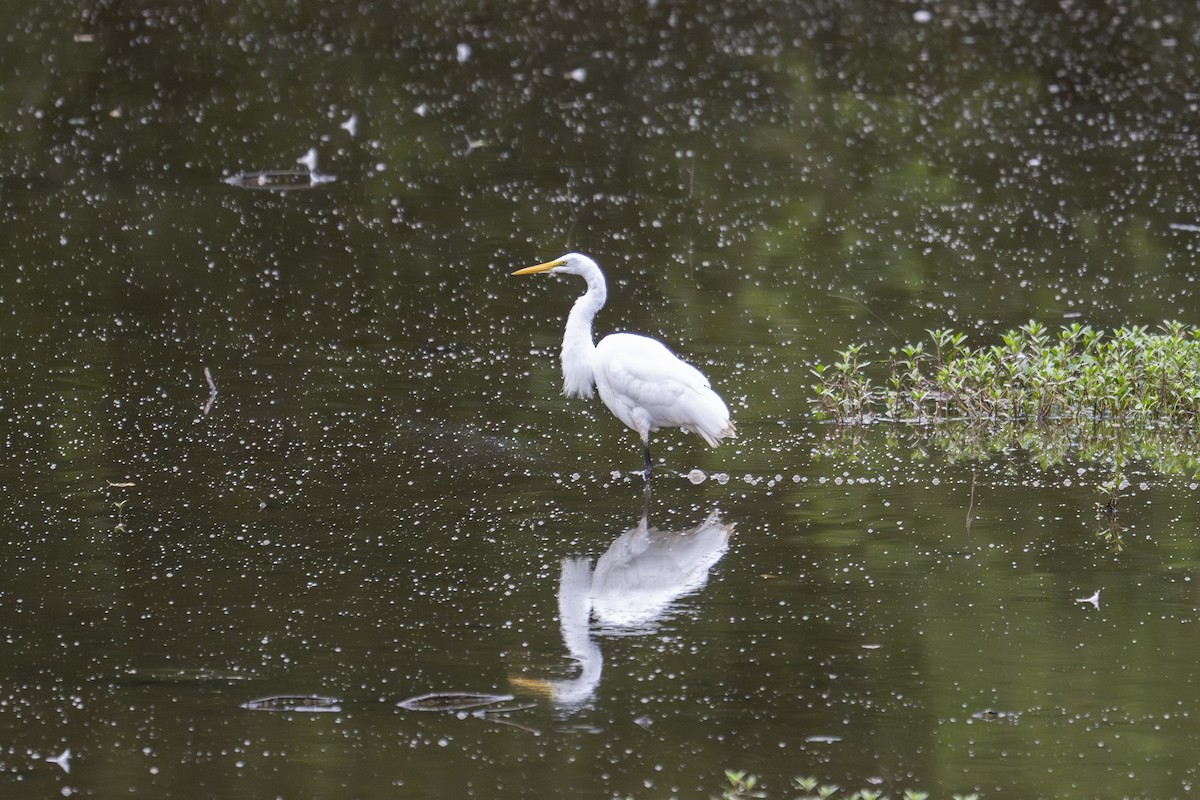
{"points": [[641, 380], [639, 365]]}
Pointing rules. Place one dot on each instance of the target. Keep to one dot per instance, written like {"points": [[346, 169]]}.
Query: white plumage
{"points": [[643, 383]]}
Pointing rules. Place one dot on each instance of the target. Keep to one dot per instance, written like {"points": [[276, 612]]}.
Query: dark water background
{"points": [[388, 488]]}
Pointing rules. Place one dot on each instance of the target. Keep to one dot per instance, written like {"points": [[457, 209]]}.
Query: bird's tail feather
{"points": [[714, 439]]}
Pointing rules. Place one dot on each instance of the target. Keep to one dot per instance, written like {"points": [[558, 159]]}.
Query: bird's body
{"points": [[647, 387], [642, 382]]}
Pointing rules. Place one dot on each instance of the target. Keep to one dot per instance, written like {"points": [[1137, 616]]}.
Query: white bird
{"points": [[641, 381]]}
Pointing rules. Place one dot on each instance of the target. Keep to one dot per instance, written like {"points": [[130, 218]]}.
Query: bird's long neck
{"points": [[578, 347]]}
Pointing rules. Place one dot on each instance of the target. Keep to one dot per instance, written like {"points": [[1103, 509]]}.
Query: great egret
{"points": [[642, 382]]}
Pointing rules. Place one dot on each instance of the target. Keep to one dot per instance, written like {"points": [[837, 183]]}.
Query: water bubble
{"points": [[697, 476]]}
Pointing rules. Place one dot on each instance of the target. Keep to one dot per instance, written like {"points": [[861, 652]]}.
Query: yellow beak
{"points": [[549, 265], [534, 686]]}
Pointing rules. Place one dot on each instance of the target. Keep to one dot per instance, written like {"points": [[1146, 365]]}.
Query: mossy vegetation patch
{"points": [[1077, 375]]}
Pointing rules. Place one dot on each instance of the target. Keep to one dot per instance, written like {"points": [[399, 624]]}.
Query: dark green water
{"points": [[387, 491]]}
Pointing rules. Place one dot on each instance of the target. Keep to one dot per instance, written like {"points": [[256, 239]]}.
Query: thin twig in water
{"points": [[572, 201], [971, 502], [506, 710], [490, 715], [867, 308], [212, 391]]}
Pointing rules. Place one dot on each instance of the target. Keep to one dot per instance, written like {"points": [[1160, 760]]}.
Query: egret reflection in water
{"points": [[631, 589]]}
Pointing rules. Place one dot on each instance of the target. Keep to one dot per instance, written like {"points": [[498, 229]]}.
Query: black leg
{"points": [[649, 463]]}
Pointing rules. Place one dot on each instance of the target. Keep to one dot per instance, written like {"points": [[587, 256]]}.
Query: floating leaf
{"points": [[296, 703], [991, 715], [279, 180], [452, 701]]}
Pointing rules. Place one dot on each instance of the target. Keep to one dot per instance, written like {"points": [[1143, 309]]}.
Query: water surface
{"points": [[389, 497]]}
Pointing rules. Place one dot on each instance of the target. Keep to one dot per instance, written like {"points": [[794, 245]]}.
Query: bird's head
{"points": [[570, 264]]}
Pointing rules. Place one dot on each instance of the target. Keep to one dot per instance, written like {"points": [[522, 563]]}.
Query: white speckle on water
{"points": [[63, 760], [309, 159]]}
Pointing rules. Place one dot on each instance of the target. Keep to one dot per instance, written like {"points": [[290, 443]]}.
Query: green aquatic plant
{"points": [[739, 785], [1078, 374], [812, 789], [844, 389], [1113, 396]]}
